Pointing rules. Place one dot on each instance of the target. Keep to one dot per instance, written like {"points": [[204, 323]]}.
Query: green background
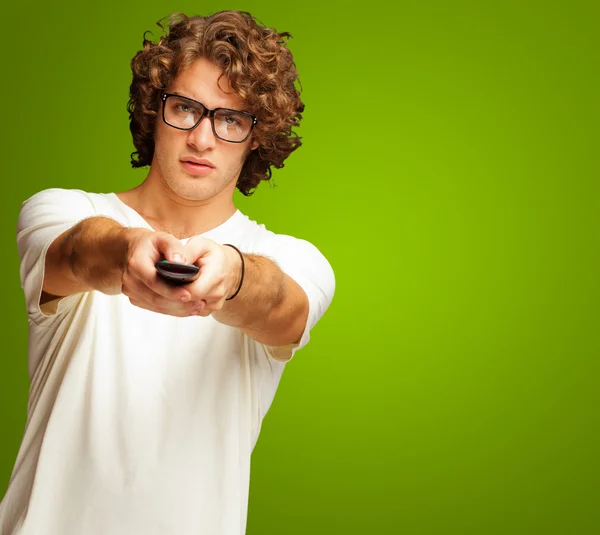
{"points": [[450, 174]]}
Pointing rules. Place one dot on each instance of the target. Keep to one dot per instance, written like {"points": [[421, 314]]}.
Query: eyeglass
{"points": [[185, 113]]}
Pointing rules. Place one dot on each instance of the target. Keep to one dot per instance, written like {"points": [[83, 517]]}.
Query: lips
{"points": [[197, 167], [198, 161]]}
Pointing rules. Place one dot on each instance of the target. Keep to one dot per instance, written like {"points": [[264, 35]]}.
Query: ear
{"points": [[254, 145]]}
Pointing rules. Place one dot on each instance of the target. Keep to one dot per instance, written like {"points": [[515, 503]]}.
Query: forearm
{"points": [[89, 256], [270, 307]]}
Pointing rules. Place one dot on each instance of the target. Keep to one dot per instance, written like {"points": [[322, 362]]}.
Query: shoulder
{"points": [[296, 256], [67, 198], [256, 238], [54, 196], [68, 203]]}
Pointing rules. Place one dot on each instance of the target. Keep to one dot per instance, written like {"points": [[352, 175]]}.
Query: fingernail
{"points": [[177, 258]]}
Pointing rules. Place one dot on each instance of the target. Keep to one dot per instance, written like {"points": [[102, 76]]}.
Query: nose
{"points": [[202, 137]]}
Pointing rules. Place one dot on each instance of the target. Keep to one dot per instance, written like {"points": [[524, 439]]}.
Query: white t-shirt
{"points": [[141, 423]]}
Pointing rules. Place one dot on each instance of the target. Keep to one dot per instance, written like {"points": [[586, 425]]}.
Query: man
{"points": [[147, 398]]}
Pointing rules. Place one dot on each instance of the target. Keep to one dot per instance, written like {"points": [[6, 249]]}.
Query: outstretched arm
{"points": [[100, 254], [270, 306]]}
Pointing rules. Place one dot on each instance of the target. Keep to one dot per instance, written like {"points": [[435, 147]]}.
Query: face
{"points": [[175, 151]]}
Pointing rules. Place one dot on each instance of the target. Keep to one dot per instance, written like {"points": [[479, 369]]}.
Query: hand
{"points": [[220, 271], [142, 284]]}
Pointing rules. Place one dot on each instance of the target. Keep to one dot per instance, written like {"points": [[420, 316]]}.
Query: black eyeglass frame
{"points": [[209, 113]]}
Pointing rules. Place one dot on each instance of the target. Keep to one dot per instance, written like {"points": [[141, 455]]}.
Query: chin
{"points": [[196, 189]]}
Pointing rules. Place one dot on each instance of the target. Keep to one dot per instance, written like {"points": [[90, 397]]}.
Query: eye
{"points": [[231, 120]]}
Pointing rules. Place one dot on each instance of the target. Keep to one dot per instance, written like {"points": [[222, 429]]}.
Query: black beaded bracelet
{"points": [[242, 277]]}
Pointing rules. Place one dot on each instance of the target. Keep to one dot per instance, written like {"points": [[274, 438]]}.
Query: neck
{"points": [[183, 218]]}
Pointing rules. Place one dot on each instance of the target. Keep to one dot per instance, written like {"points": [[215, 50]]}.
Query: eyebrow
{"points": [[196, 100]]}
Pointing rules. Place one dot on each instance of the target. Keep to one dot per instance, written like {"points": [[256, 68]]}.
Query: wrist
{"points": [[123, 243]]}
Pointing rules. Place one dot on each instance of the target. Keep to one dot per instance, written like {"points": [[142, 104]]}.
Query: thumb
{"points": [[171, 248]]}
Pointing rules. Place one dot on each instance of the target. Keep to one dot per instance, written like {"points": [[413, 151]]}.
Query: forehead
{"points": [[201, 82]]}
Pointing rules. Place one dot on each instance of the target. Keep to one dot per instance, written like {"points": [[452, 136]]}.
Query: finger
{"points": [[163, 306], [172, 309], [141, 277], [141, 267], [170, 248], [215, 304], [203, 309], [204, 313], [208, 286], [169, 291], [136, 288]]}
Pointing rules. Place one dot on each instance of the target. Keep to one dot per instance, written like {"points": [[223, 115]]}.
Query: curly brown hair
{"points": [[260, 69]]}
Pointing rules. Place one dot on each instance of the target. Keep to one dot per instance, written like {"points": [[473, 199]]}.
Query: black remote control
{"points": [[177, 273]]}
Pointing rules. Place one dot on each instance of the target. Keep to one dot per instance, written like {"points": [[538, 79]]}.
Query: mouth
{"points": [[196, 166]]}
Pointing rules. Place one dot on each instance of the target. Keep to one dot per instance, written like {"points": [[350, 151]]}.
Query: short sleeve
{"points": [[303, 262], [44, 217]]}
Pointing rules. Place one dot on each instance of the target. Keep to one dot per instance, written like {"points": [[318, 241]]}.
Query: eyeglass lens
{"points": [[229, 125]]}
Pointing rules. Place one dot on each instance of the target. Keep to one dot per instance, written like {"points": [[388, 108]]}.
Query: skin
{"points": [[99, 254]]}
